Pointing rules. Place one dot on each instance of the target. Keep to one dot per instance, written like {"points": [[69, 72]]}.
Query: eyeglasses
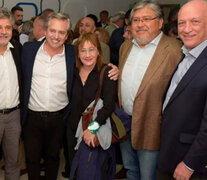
{"points": [[143, 20], [90, 50]]}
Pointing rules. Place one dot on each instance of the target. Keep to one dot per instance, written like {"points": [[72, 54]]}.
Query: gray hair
{"points": [[152, 4], [117, 16], [27, 27], [5, 13], [59, 16]]}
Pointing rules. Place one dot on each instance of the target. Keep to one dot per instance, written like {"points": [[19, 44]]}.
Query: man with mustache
{"points": [[10, 88], [146, 65], [47, 80]]}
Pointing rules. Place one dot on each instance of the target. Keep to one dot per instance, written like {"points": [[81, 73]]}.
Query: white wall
{"points": [[78, 8]]}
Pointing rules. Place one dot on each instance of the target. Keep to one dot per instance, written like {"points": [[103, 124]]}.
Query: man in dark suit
{"points": [[10, 88], [183, 153], [117, 39], [103, 19], [47, 81]]}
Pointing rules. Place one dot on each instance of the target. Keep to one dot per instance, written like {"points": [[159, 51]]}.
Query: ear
{"points": [[161, 23]]}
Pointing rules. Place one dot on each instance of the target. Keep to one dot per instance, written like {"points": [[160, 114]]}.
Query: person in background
{"points": [[27, 29], [117, 39], [76, 33], [103, 35], [17, 13], [103, 19], [117, 22], [128, 33], [146, 65]]}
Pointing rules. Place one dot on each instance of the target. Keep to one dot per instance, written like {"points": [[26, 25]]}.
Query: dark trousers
{"points": [[43, 133], [169, 176]]}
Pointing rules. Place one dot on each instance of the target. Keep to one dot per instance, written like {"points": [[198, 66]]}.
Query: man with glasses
{"points": [[146, 65]]}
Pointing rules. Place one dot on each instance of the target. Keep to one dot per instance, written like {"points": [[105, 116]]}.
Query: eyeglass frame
{"points": [[144, 19], [89, 50]]}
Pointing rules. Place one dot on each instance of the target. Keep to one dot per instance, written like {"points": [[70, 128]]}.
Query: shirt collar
{"points": [[9, 46], [154, 42], [195, 52]]}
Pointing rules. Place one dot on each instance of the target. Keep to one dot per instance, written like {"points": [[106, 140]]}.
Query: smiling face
{"points": [[5, 31], [192, 23], [87, 25], [56, 33], [145, 31], [88, 54]]}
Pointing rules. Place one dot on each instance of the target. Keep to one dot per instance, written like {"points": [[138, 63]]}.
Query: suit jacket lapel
{"points": [[199, 63], [70, 60], [157, 59]]}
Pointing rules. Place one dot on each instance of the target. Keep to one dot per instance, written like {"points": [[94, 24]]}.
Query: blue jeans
{"points": [[141, 164]]}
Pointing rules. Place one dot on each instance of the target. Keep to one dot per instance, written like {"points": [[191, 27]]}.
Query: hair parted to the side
{"points": [[5, 13], [153, 4], [93, 39], [59, 16]]}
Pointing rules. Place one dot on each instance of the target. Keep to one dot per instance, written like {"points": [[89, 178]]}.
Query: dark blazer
{"points": [[115, 43], [16, 54], [28, 57], [184, 124]]}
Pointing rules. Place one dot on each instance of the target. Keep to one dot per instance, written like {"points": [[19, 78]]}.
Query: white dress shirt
{"points": [[133, 72], [9, 86], [49, 79]]}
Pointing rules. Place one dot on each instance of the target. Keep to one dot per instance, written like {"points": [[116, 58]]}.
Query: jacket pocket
{"points": [[187, 138]]}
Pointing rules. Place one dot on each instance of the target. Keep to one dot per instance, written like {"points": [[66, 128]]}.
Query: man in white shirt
{"points": [[47, 79], [146, 64], [10, 88]]}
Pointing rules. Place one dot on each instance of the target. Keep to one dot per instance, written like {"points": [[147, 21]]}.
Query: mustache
{"points": [[141, 29], [56, 39], [4, 35]]}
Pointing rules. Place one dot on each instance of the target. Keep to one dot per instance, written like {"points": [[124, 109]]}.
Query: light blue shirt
{"points": [[185, 64], [134, 69]]}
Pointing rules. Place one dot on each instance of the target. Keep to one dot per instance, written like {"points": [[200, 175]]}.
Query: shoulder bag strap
{"points": [[100, 85]]}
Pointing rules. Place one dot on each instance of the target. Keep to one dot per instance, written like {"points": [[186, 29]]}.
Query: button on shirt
{"points": [[185, 64], [134, 70], [9, 86], [48, 89]]}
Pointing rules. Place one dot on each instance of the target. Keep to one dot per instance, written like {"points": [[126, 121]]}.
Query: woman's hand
{"points": [[89, 138]]}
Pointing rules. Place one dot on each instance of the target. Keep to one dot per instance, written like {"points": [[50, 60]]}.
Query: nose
{"points": [[87, 53], [3, 30], [140, 23], [56, 35], [188, 27]]}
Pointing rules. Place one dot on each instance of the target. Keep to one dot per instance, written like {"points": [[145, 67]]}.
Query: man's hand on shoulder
{"points": [[182, 172], [114, 72]]}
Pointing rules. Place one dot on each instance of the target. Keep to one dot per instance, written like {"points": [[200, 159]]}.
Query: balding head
{"points": [[87, 25], [39, 27], [192, 23]]}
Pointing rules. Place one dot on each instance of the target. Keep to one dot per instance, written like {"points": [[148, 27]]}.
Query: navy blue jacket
{"points": [[184, 124], [29, 52]]}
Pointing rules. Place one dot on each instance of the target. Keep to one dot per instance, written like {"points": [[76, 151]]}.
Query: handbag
{"points": [[120, 120]]}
